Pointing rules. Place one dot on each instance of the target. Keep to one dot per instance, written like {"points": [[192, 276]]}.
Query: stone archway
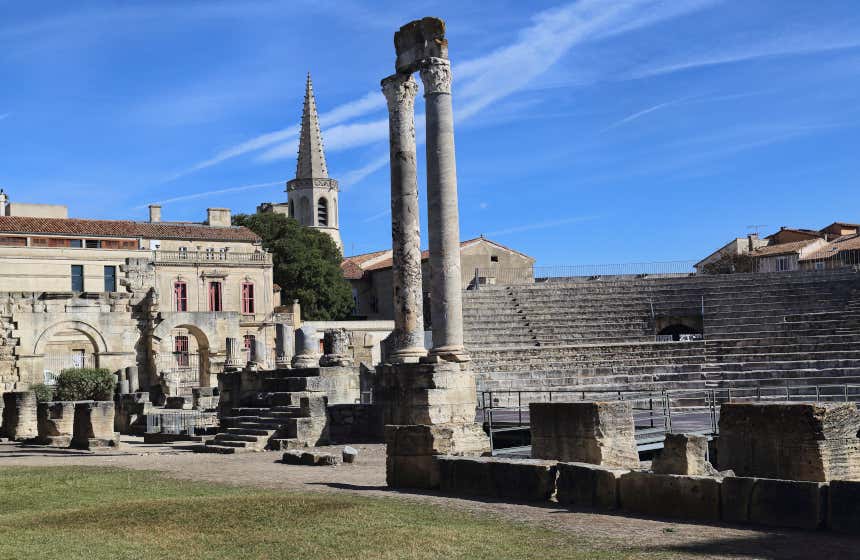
{"points": [[67, 344], [183, 368]]}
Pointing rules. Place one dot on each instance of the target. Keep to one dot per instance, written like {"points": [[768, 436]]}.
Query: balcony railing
{"points": [[214, 257]]}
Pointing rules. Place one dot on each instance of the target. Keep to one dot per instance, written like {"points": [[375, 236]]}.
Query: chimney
{"points": [[218, 217], [154, 213], [751, 241], [4, 202]]}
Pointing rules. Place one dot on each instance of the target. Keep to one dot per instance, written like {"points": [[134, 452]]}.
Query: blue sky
{"points": [[593, 131]]}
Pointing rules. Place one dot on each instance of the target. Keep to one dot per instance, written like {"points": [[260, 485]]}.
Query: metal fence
{"points": [[655, 413], [818, 261], [176, 422], [180, 368], [56, 363]]}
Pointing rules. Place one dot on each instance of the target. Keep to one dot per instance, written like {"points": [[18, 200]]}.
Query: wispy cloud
{"points": [[376, 217], [205, 194], [479, 82], [783, 45], [642, 113], [546, 224]]}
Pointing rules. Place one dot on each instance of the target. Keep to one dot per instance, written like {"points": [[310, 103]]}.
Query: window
{"points": [[180, 349], [180, 296], [77, 278], [248, 340], [93, 244], [322, 212], [183, 253], [782, 264], [110, 278], [210, 254], [215, 296], [76, 243], [292, 213], [13, 241], [819, 265], [494, 258], [247, 298]]}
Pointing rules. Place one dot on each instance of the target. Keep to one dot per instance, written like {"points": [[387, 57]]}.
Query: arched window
{"points": [[305, 212], [334, 212], [292, 210], [322, 212]]}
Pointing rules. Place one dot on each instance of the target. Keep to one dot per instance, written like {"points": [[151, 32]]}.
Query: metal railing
{"points": [[192, 257], [54, 364], [655, 413], [820, 261], [187, 422], [180, 368]]}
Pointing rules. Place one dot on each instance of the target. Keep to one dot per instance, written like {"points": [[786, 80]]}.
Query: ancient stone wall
{"points": [[793, 441]]}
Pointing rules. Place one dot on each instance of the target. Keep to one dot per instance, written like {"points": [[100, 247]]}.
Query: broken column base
{"points": [[411, 451]]}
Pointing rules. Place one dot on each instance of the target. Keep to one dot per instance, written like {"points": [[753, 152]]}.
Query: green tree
{"points": [[306, 265]]}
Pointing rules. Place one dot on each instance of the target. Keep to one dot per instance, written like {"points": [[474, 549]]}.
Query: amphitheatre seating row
{"points": [[758, 330]]}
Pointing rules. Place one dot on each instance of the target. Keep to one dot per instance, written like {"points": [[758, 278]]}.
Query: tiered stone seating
{"points": [[759, 330]]}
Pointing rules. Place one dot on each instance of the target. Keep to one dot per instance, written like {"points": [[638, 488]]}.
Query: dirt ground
{"points": [[367, 477]]}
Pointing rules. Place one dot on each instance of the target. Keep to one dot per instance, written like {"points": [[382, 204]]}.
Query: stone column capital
{"points": [[400, 91], [436, 75]]}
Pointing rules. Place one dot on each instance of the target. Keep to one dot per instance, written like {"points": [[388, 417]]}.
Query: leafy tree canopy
{"points": [[306, 265]]}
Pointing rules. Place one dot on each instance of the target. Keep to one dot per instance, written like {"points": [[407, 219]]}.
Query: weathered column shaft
{"points": [[442, 213], [408, 336]]}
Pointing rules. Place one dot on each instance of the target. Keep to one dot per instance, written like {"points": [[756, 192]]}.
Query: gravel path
{"points": [[367, 477]]}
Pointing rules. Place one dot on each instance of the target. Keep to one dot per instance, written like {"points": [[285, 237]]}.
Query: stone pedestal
{"points": [[791, 441], [685, 454], [307, 348], [429, 410], [56, 423], [235, 355], [130, 414], [19, 416], [284, 345], [94, 425], [599, 433], [336, 348]]}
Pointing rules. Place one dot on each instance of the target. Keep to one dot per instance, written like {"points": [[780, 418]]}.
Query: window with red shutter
{"points": [[180, 296], [215, 296], [247, 298]]}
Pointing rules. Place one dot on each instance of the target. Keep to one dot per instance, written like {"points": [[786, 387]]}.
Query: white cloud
{"points": [[541, 225], [206, 194]]}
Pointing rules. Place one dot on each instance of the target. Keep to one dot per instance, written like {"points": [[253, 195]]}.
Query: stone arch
{"points": [[292, 209], [322, 211], [159, 353], [92, 333]]}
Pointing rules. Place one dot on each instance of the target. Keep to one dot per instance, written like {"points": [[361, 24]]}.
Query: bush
{"points": [[85, 384], [43, 392]]}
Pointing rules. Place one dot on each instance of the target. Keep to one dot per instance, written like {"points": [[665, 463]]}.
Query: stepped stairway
{"points": [[759, 330], [286, 414]]}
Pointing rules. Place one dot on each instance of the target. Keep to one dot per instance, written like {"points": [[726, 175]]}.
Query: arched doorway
{"points": [[181, 357], [68, 344]]}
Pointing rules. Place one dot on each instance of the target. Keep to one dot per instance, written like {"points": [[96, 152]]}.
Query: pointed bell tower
{"points": [[312, 195]]}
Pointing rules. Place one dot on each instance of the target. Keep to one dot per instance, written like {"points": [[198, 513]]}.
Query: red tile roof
{"points": [[782, 248], [125, 228]]}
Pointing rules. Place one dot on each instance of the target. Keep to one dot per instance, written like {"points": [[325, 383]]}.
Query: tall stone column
{"points": [[408, 336], [442, 213]]}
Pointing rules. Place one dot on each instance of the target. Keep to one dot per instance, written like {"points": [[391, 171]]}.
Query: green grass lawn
{"points": [[95, 513]]}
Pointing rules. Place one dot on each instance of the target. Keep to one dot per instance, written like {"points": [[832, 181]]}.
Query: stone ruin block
{"points": [[130, 413], [792, 441], [418, 40], [204, 398], [411, 451], [494, 477], [20, 416], [684, 454], [178, 403], [581, 484], [94, 425], [56, 421], [336, 348], [427, 393], [599, 433], [777, 503], [668, 495], [844, 506]]}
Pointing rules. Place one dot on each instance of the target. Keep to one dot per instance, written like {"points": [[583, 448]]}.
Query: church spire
{"points": [[311, 160]]}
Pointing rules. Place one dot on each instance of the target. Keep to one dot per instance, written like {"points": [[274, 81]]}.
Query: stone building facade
{"points": [[312, 195], [159, 296], [370, 274]]}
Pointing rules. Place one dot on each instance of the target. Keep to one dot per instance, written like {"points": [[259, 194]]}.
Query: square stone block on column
{"points": [[599, 433], [94, 425], [427, 393], [19, 416], [793, 441], [56, 423]]}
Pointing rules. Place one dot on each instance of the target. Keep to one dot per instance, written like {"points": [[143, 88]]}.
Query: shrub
{"points": [[43, 392], [85, 384]]}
